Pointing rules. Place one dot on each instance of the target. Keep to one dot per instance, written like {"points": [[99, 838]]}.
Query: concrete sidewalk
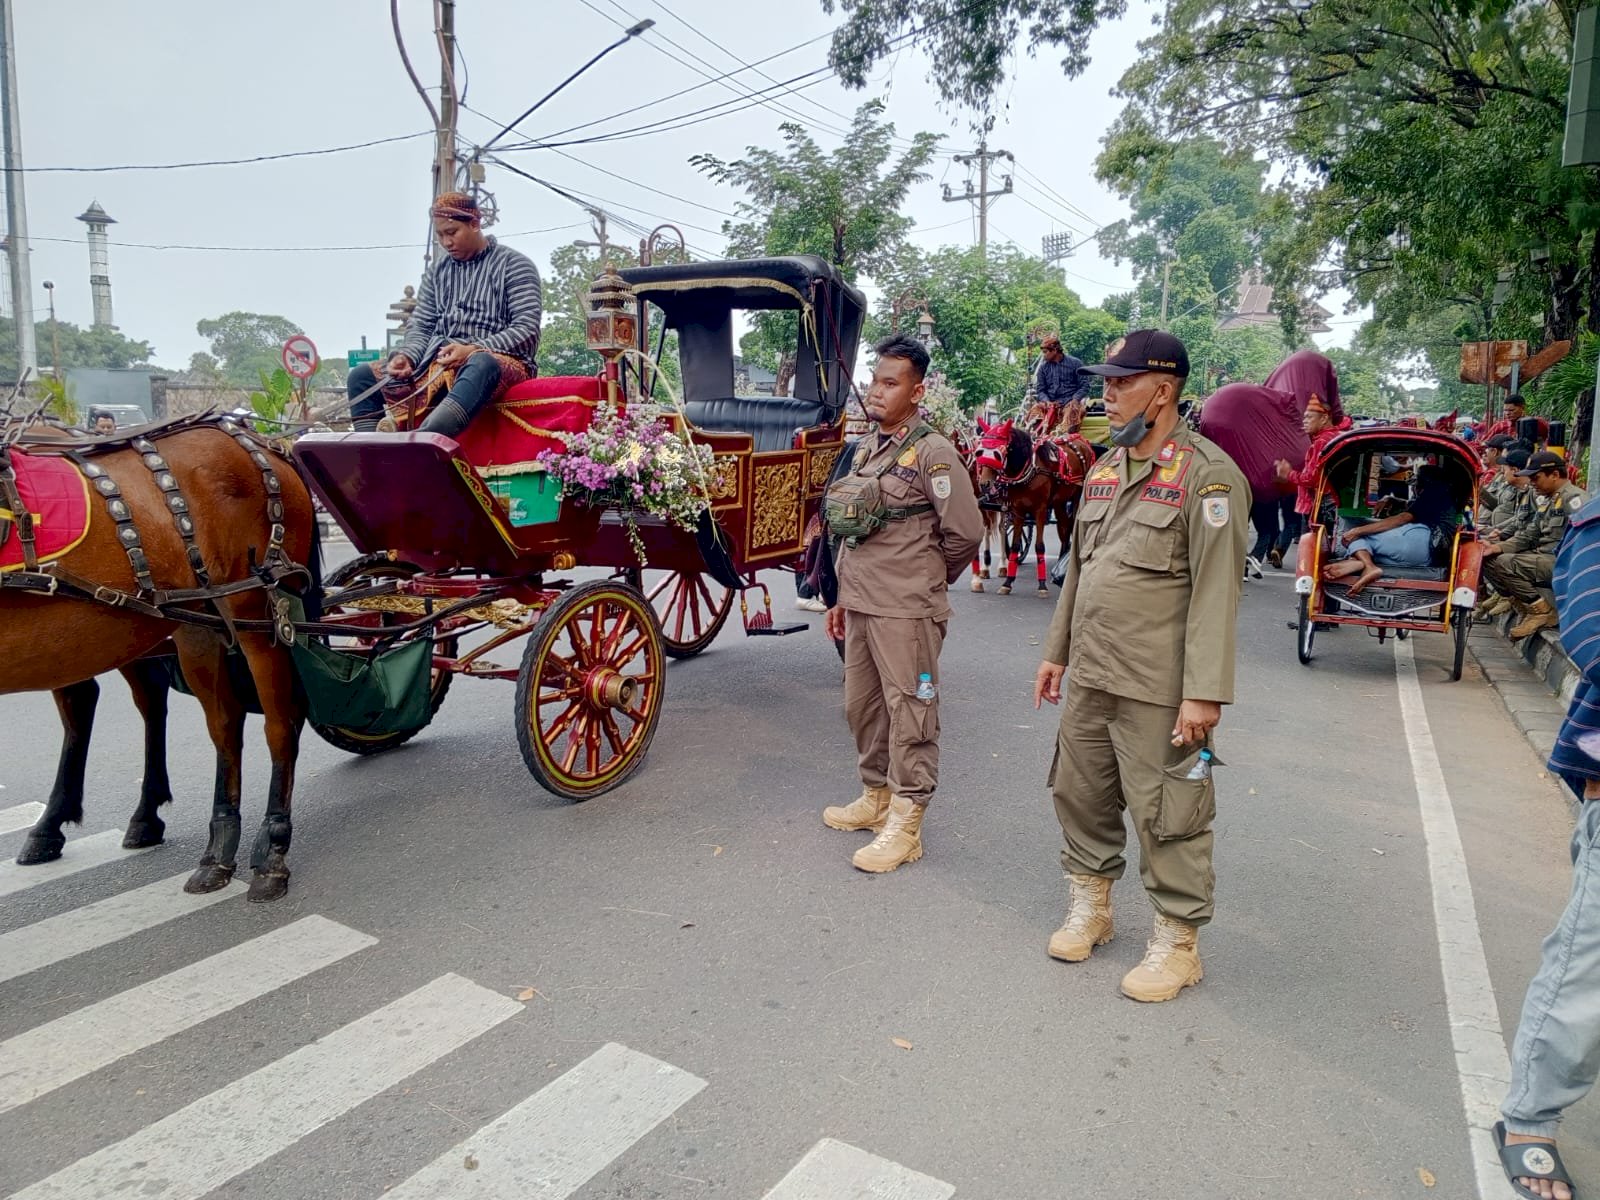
{"points": [[1533, 677]]}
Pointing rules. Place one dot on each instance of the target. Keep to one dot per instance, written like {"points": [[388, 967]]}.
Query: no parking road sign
{"points": [[300, 357]]}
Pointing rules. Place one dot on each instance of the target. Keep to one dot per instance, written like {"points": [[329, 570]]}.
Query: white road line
{"points": [[81, 854], [52, 1055], [1482, 1064], [554, 1142], [835, 1171], [218, 1137], [47, 942], [20, 816]]}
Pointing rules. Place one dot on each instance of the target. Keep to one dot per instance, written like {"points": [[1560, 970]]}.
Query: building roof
{"points": [[95, 215], [1254, 308]]}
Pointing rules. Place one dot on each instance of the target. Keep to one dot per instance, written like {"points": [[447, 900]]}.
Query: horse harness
{"points": [[149, 600]]}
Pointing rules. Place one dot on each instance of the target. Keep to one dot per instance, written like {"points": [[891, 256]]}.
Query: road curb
{"points": [[1534, 679]]}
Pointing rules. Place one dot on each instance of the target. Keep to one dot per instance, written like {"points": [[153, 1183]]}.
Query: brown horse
{"points": [[197, 504], [1032, 480]]}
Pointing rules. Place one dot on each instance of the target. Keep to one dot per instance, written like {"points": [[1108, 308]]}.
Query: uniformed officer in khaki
{"points": [[1523, 560], [892, 608], [1144, 634]]}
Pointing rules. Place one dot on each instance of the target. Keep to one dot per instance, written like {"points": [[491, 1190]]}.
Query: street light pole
{"points": [[16, 203], [628, 35], [55, 337]]}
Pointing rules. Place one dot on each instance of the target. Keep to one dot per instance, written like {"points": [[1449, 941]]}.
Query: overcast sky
{"points": [[105, 83]]}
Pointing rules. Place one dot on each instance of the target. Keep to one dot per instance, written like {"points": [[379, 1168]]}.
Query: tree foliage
{"points": [[563, 341], [246, 345], [972, 42], [97, 347]]}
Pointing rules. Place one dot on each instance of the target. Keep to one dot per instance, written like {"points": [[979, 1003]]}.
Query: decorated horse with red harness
{"points": [[1031, 479]]}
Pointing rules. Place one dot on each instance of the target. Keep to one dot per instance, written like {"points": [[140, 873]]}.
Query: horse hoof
{"points": [[977, 585], [143, 834], [1044, 591], [267, 886], [984, 574], [208, 877], [1005, 589], [40, 848]]}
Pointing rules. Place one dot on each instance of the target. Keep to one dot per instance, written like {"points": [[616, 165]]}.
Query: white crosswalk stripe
{"points": [[218, 1137], [20, 816], [50, 941], [80, 855], [563, 1135], [52, 1055], [835, 1171]]}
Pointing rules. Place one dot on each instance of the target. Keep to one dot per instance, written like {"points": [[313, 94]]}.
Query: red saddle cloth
{"points": [[529, 418], [57, 495]]}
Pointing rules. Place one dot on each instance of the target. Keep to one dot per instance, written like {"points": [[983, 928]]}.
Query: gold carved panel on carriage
{"points": [[777, 505]]}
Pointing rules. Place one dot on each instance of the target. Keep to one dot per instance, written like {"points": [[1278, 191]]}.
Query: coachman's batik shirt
{"points": [[492, 300]]}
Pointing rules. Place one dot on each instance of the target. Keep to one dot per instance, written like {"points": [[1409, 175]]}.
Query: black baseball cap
{"points": [[1516, 458], [1144, 350], [1500, 441], [1544, 461]]}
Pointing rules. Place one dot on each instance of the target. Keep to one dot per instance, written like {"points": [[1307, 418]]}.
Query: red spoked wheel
{"points": [[590, 690], [691, 606]]}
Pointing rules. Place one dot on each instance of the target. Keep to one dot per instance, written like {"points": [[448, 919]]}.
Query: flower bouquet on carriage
{"points": [[633, 460]]}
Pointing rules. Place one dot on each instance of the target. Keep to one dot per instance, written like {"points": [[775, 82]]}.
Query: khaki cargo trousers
{"points": [[1520, 576], [1113, 753], [897, 735]]}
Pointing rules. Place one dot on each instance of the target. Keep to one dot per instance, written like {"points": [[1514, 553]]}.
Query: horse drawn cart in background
{"points": [[466, 545], [1354, 487]]}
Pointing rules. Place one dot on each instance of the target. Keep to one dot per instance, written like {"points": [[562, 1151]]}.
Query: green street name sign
{"points": [[356, 357]]}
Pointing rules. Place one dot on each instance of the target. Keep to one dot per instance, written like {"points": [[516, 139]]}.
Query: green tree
{"points": [[563, 340], [246, 345], [79, 347], [972, 45], [844, 206]]}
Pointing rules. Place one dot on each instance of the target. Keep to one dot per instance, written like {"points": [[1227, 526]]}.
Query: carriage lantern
{"points": [[613, 323]]}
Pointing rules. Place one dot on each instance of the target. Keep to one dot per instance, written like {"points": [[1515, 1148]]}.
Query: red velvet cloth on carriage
{"points": [[1256, 426], [57, 494], [529, 418]]}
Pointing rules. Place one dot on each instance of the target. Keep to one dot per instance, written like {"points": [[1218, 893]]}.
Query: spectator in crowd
{"points": [[1522, 561], [1556, 1051], [101, 422]]}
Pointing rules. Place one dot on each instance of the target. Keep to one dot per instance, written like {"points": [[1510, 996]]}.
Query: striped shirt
{"points": [[1576, 754], [492, 300]]}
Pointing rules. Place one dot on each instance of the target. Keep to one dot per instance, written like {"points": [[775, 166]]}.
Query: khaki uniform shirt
{"points": [[903, 569], [1496, 502], [1541, 532], [1152, 589]]}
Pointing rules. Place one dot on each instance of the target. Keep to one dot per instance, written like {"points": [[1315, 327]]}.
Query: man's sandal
{"points": [[1530, 1160]]}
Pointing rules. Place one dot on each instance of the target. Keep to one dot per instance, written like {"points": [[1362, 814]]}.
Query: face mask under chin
{"points": [[1133, 432]]}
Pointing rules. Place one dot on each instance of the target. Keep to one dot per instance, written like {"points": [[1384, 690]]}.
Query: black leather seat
{"points": [[771, 421]]}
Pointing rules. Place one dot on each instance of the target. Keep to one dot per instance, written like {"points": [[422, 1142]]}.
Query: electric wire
{"points": [[228, 162]]}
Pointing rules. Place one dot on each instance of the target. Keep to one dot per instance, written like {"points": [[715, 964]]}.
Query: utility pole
{"points": [[1166, 282], [16, 202], [981, 197], [597, 221], [444, 163]]}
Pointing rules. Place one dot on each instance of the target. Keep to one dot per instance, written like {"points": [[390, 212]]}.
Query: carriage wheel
{"points": [[373, 568], [691, 606], [590, 690], [1463, 622], [1308, 630]]}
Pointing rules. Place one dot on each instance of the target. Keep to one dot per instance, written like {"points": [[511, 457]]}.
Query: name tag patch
{"points": [[1164, 493], [1102, 491], [904, 472]]}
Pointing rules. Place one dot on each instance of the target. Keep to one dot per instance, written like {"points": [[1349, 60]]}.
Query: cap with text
{"points": [[1144, 350], [1544, 461]]}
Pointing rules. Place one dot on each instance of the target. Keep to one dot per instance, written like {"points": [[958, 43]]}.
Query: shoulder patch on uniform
{"points": [[1216, 489], [908, 457], [934, 467], [1575, 503], [1215, 509], [941, 486]]}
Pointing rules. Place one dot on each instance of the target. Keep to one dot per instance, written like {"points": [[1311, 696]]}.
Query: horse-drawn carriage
{"points": [[469, 539], [466, 547]]}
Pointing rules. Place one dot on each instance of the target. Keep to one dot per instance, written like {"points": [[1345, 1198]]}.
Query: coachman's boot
{"points": [[1088, 922], [900, 841], [1171, 962], [867, 811], [1539, 615]]}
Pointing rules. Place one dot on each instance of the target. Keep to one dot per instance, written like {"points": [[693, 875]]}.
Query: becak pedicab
{"points": [[1392, 543]]}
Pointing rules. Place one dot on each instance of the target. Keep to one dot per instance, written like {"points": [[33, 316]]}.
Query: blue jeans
{"points": [[474, 387], [1556, 1054], [1408, 546]]}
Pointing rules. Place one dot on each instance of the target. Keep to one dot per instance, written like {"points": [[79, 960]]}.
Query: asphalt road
{"points": [[467, 946]]}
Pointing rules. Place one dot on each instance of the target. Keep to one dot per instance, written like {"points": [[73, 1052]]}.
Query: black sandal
{"points": [[1530, 1160]]}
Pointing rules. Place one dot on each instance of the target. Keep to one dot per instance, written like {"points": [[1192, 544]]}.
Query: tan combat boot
{"points": [[867, 811], [900, 841], [1497, 604], [1171, 962], [1088, 922], [1537, 616]]}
